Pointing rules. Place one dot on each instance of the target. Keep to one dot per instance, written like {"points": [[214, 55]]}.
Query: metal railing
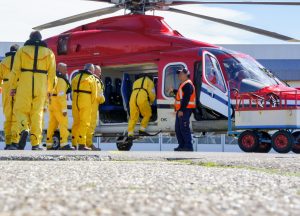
{"points": [[279, 100]]}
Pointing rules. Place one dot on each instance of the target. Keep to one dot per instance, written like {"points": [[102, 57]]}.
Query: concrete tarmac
{"points": [[148, 183]]}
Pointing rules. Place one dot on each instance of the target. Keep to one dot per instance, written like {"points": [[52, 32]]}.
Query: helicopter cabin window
{"points": [[213, 73], [171, 78], [62, 45]]}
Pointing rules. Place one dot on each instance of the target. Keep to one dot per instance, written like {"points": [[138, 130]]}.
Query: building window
{"points": [[171, 78]]}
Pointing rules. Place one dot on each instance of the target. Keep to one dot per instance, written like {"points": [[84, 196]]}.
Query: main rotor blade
{"points": [[238, 25], [79, 17], [178, 2]]}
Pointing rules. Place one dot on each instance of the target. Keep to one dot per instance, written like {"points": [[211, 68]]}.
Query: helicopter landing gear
{"points": [[124, 144]]}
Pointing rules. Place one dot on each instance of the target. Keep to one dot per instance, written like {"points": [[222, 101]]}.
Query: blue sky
{"points": [[17, 18]]}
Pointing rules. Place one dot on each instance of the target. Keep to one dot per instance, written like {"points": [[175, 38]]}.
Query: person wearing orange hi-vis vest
{"points": [[32, 79], [185, 102]]}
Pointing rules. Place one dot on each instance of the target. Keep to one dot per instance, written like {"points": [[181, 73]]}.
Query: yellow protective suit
{"points": [[143, 95], [95, 110], [33, 76], [84, 88], [7, 101], [57, 106]]}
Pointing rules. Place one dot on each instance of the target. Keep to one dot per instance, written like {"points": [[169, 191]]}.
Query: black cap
{"points": [[35, 35], [183, 70], [14, 48]]}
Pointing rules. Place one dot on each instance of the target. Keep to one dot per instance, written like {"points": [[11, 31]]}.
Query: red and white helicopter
{"points": [[126, 46]]}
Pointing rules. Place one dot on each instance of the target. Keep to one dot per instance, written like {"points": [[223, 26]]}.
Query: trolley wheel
{"points": [[296, 146], [264, 147], [124, 145], [282, 141], [248, 141]]}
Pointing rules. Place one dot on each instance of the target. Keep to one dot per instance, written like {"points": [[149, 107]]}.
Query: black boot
{"points": [[177, 149], [37, 148], [94, 148], [12, 146], [23, 139], [83, 148], [67, 148], [184, 149]]}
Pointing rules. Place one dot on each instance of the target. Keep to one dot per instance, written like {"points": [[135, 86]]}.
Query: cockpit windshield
{"points": [[247, 75]]}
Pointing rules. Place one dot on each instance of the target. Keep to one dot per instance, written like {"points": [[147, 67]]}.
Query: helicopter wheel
{"points": [[123, 144]]}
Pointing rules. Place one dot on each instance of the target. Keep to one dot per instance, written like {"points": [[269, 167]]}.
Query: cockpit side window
{"points": [[171, 78], [213, 73]]}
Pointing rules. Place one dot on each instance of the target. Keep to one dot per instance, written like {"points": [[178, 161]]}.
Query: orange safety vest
{"points": [[179, 96]]}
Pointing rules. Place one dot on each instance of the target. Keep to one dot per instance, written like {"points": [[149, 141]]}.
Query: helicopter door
{"points": [[213, 91]]}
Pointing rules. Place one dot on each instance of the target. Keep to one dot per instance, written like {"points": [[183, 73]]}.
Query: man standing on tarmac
{"points": [[84, 87], [33, 71], [185, 102], [58, 115], [95, 109], [143, 95], [7, 101]]}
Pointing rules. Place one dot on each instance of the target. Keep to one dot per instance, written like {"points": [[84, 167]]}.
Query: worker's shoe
{"points": [[83, 148], [37, 148], [23, 139], [67, 148], [12, 146], [177, 149], [94, 148], [49, 147], [184, 149]]}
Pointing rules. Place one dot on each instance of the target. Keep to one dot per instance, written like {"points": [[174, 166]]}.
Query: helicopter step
{"points": [[146, 134]]}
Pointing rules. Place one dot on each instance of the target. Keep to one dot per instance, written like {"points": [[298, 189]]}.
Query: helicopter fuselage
{"points": [[126, 46]]}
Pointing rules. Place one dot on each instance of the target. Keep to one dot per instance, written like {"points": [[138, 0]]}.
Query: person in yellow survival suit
{"points": [[33, 72], [84, 89], [58, 115], [142, 97], [95, 109], [8, 101]]}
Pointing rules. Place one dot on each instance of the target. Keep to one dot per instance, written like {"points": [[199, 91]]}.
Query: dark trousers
{"points": [[183, 131]]}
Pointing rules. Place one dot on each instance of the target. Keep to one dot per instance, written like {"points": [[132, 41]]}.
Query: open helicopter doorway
{"points": [[118, 81]]}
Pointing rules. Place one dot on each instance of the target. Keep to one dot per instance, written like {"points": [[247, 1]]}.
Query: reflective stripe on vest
{"points": [[180, 94]]}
